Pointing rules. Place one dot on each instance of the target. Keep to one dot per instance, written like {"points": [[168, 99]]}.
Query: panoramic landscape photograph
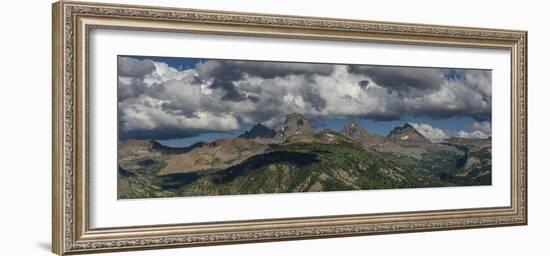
{"points": [[212, 127]]}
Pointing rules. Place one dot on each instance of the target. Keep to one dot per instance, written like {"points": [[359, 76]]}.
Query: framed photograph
{"points": [[178, 127]]}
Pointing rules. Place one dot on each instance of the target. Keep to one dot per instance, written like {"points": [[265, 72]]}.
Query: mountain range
{"points": [[296, 158]]}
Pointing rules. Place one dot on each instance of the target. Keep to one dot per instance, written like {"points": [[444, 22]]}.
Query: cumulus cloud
{"points": [[484, 127], [432, 133], [158, 101], [472, 134], [480, 130], [130, 67], [223, 73]]}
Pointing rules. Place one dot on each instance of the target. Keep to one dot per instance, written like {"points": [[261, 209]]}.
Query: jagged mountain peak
{"points": [[407, 133], [354, 130], [259, 131], [295, 118], [295, 124], [404, 128]]}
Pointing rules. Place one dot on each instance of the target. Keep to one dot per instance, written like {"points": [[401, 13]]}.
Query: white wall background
{"points": [[25, 113]]}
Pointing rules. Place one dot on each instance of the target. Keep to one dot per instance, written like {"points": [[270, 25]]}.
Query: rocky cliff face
{"points": [[356, 132], [353, 130], [294, 125]]}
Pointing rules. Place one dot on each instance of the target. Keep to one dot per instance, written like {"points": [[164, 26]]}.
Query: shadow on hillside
{"points": [[176, 180], [257, 162]]}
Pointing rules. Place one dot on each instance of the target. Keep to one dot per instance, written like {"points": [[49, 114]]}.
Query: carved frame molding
{"points": [[72, 22]]}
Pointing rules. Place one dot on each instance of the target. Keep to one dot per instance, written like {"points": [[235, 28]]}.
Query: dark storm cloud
{"points": [[225, 72], [381, 116], [364, 84], [433, 92], [158, 101], [231, 70], [403, 79], [158, 134], [231, 92]]}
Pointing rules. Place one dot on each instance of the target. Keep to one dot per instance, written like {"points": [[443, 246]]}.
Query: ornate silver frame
{"points": [[72, 22]]}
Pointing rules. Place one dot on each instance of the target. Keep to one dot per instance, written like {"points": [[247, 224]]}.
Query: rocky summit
{"points": [[355, 131], [407, 134], [294, 125], [259, 131]]}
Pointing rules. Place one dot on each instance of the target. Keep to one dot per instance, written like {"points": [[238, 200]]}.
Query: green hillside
{"points": [[297, 167]]}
